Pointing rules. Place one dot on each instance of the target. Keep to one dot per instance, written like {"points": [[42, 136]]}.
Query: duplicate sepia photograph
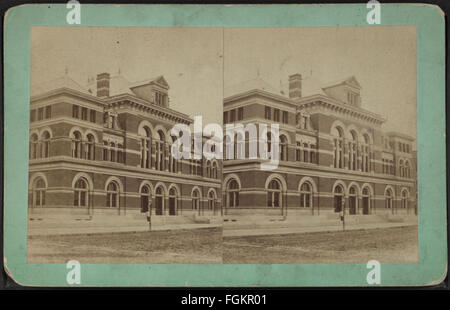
{"points": [[333, 109]]}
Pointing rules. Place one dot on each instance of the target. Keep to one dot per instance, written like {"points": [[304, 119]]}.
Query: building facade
{"points": [[334, 155], [104, 148]]}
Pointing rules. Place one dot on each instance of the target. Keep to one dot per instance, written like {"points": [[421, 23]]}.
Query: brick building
{"points": [[104, 148], [334, 155]]}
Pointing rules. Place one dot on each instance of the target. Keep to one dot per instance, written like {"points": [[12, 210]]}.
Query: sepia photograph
{"points": [[224, 146], [105, 184]]}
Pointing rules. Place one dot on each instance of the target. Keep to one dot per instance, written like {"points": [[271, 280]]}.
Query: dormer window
{"points": [[160, 98], [352, 98]]}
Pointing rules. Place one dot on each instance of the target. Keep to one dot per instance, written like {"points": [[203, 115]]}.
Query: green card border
{"points": [[430, 23]]}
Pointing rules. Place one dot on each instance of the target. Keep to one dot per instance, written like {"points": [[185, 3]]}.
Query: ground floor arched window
{"points": [[365, 201], [195, 200], [211, 201], [173, 195], [112, 195], [389, 197], [338, 195], [306, 195], [80, 198], [274, 194], [352, 200], [39, 191], [233, 193], [405, 199], [145, 198], [159, 201]]}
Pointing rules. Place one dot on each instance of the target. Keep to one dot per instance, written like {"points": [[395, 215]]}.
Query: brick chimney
{"points": [[295, 86], [103, 84]]}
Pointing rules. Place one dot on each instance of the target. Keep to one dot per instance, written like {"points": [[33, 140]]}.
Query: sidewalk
{"points": [[45, 231], [229, 232]]}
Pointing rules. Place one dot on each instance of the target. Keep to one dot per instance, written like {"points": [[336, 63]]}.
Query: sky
{"points": [[199, 62]]}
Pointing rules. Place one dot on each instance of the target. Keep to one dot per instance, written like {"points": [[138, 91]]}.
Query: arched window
{"points": [[146, 196], [173, 208], [146, 147], [214, 170], [283, 148], [45, 144], [80, 198], [366, 200], [338, 198], [239, 146], [33, 146], [160, 151], [338, 134], [388, 198], [353, 151], [112, 195], [306, 195], [208, 169], [366, 154], [76, 144], [211, 201], [173, 163], [233, 193], [352, 200], [405, 199], [407, 169], [400, 166], [195, 200], [159, 200], [274, 194], [39, 190], [90, 149]]}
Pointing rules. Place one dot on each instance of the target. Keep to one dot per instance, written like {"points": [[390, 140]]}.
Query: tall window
{"points": [[276, 115], [366, 154], [232, 116], [211, 201], [267, 113], [75, 113], [285, 117], [407, 169], [233, 193], [90, 147], [146, 147], [338, 198], [40, 114], [401, 171], [225, 117], [195, 200], [80, 193], [388, 198], [145, 198], [39, 190], [338, 135], [45, 144], [240, 113], [305, 152], [76, 144], [84, 113], [298, 152], [208, 169], [214, 170], [283, 148], [173, 163], [112, 195], [48, 111], [404, 199], [306, 195], [160, 151], [105, 150], [112, 151], [274, 194], [353, 152], [92, 115], [33, 146]]}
